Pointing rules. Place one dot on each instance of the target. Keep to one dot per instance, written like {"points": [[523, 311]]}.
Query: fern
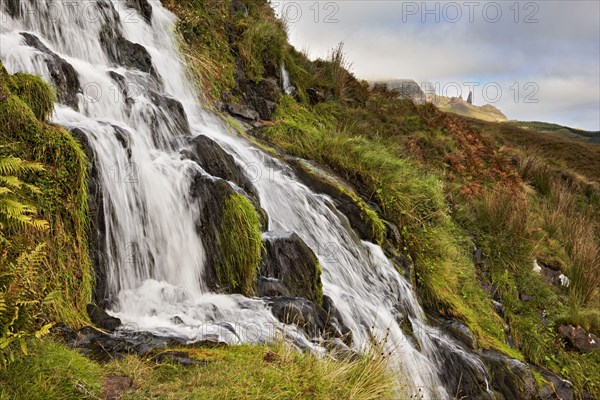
{"points": [[14, 213]]}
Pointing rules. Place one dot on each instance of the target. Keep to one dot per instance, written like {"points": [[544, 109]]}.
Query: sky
{"points": [[535, 60]]}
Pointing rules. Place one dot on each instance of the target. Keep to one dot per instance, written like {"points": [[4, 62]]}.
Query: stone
{"points": [[510, 377], [290, 262], [243, 111], [459, 332], [470, 98], [174, 112], [557, 388], [306, 315], [262, 96], [124, 53], [63, 75], [143, 7], [322, 181], [525, 297], [578, 339], [217, 162], [102, 319]]}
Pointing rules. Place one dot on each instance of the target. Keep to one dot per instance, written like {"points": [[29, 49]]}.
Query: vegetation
{"points": [[45, 273], [241, 245], [257, 372]]}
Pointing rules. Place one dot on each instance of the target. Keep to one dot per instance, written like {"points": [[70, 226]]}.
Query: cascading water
{"points": [[154, 255]]}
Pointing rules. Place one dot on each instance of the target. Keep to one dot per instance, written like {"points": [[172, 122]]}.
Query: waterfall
{"points": [[136, 117]]}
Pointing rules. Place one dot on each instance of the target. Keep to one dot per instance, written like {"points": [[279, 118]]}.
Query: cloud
{"points": [[388, 39]]}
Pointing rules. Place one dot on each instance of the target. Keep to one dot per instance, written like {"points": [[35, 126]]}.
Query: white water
{"points": [[155, 257]]}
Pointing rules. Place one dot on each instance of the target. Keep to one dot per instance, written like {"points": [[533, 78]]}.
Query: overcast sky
{"points": [[534, 60]]}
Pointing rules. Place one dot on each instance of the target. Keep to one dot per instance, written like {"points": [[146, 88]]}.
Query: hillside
{"points": [[333, 242], [456, 105]]}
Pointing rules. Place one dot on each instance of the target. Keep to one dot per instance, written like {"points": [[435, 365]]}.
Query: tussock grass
{"points": [[260, 372]]}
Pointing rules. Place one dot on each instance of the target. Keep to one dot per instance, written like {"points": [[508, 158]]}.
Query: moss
{"points": [[64, 280], [37, 94], [51, 371], [241, 245]]}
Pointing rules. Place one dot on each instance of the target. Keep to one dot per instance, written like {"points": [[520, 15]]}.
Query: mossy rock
{"points": [[230, 228], [36, 93], [361, 216]]}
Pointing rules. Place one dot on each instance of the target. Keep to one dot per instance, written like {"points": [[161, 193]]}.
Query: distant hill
{"points": [[559, 130], [458, 106]]}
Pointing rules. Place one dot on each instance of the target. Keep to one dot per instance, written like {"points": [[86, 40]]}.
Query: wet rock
{"points": [[63, 75], [143, 7], [124, 53], [114, 386], [212, 195], [101, 319], [97, 230], [305, 314], [177, 357], [579, 339], [498, 307], [243, 111], [172, 111], [510, 377], [13, 7], [335, 318], [177, 320], [321, 181], [217, 162], [557, 387], [460, 332], [290, 262]]}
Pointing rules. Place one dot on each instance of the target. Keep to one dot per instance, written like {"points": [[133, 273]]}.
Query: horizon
{"points": [[507, 61]]}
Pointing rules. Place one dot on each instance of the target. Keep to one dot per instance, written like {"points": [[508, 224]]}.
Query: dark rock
{"points": [[525, 297], [143, 7], [97, 229], [477, 257], [239, 7], [122, 52], [13, 7], [101, 319], [240, 110], [315, 96], [321, 181], [177, 320], [289, 261], [217, 162], [172, 111], [305, 314], [63, 75], [262, 96], [498, 307], [557, 387], [579, 339], [510, 377], [114, 386], [459, 332], [335, 319], [177, 357]]}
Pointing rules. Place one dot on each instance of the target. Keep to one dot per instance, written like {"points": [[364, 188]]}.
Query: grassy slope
{"points": [[459, 106]]}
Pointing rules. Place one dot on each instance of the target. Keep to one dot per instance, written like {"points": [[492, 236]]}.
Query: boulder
{"points": [[289, 268], [114, 386], [509, 377], [557, 388], [63, 75], [101, 319], [172, 111], [122, 52], [306, 315], [346, 201], [262, 96], [578, 339], [217, 162], [243, 111]]}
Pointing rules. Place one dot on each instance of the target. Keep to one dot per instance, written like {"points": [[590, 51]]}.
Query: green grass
{"points": [[51, 371]]}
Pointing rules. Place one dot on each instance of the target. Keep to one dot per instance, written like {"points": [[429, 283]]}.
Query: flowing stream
{"points": [[154, 255]]}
